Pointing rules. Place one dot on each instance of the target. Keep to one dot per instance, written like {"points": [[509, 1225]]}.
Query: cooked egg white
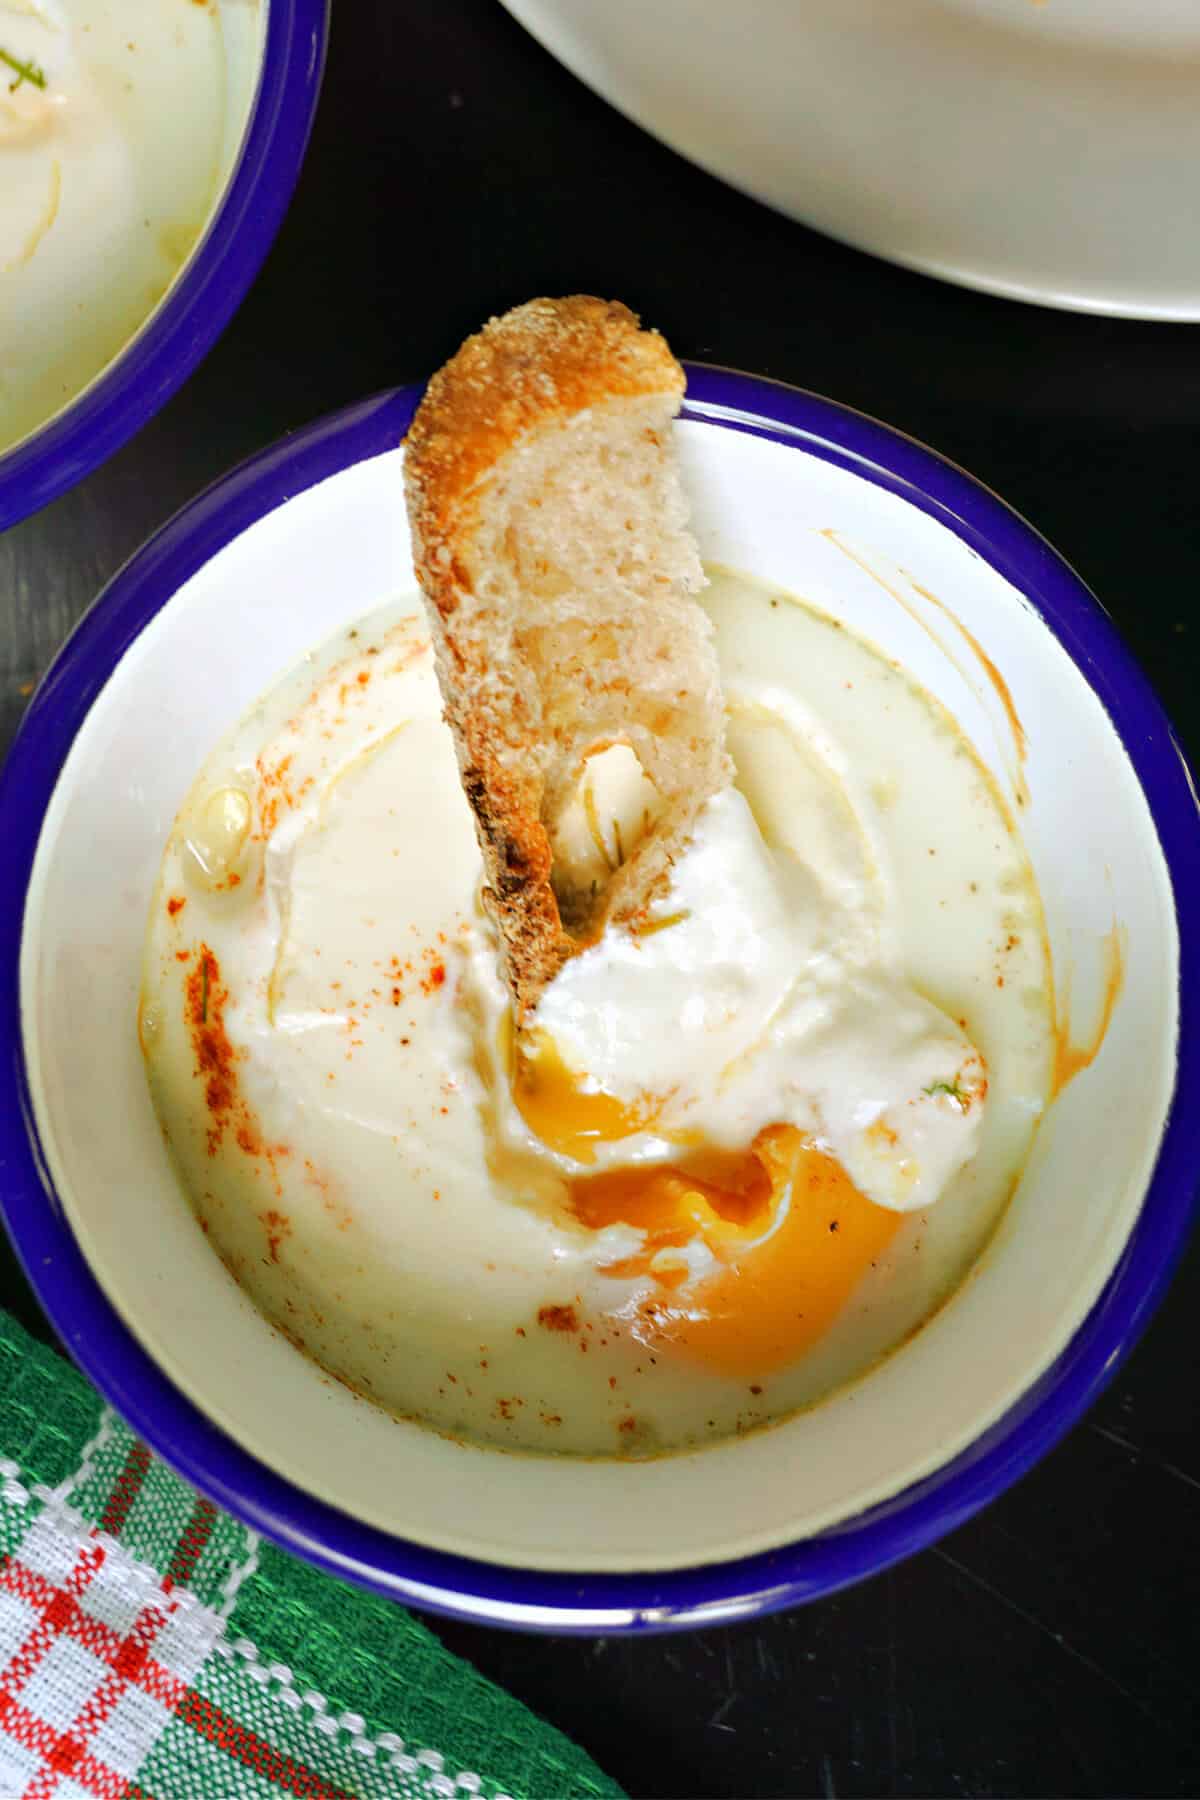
{"points": [[762, 988], [748, 1145], [111, 119]]}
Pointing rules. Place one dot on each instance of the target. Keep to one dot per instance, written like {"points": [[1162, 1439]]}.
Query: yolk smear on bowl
{"points": [[790, 1234]]}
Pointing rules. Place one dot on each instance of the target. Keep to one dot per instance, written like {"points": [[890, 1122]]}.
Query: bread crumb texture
{"points": [[551, 543]]}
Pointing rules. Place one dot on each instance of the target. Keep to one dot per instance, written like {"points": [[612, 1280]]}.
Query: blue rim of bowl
{"points": [[611, 1603], [159, 358]]}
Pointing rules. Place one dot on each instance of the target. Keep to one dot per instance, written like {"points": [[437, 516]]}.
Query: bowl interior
{"points": [[768, 507], [244, 36]]}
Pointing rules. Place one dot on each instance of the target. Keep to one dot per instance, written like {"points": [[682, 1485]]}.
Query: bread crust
{"points": [[536, 367]]}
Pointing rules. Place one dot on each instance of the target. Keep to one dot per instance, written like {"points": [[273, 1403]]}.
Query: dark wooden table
{"points": [[1044, 1648]]}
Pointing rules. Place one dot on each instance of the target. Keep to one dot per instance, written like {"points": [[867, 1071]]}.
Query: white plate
{"points": [[1044, 149]]}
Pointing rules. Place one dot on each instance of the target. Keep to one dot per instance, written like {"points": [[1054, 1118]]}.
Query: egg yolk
{"points": [[566, 1116], [789, 1233]]}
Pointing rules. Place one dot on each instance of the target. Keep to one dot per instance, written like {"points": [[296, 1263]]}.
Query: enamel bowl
{"points": [[274, 54], [270, 562]]}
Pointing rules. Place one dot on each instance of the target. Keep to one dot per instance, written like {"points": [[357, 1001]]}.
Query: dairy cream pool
{"points": [[743, 1148]]}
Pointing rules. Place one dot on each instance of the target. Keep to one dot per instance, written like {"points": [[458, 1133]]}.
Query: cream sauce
{"points": [[315, 1023]]}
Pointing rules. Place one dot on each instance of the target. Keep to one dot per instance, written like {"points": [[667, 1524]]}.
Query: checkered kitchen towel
{"points": [[153, 1649]]}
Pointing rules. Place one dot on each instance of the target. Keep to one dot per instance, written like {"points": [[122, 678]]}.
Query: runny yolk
{"points": [[791, 1235], [566, 1116]]}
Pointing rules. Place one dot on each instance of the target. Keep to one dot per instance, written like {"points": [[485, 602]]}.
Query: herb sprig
{"points": [[947, 1087], [22, 71]]}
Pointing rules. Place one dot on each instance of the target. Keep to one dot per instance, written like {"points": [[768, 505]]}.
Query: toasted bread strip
{"points": [[550, 540]]}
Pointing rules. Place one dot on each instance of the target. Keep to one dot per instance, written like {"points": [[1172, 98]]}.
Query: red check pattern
{"points": [[93, 1664], [124, 1661], [59, 1614], [152, 1649], [58, 1635]]}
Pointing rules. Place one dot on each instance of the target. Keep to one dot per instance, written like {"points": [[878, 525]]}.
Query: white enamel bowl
{"points": [[272, 561]]}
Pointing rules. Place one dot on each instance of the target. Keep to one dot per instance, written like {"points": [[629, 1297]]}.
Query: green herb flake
{"points": [[950, 1088], [23, 71]]}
